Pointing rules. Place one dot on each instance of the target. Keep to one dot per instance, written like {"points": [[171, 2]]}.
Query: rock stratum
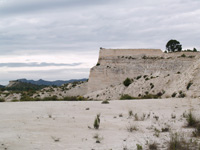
{"points": [[151, 71]]}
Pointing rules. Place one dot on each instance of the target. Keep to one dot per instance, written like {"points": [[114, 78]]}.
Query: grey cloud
{"points": [[113, 25], [35, 64], [49, 27], [24, 6]]}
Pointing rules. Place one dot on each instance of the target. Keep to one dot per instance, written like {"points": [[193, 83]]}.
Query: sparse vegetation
{"points": [[152, 85], [126, 97], [189, 84], [165, 129], [173, 116], [183, 55], [156, 117], [196, 132], [174, 94], [131, 128], [136, 117], [139, 147], [157, 132], [97, 122], [138, 77], [191, 56], [181, 94], [153, 146], [130, 113], [151, 57], [145, 76], [105, 102], [144, 57], [179, 142], [146, 96], [2, 100], [191, 120], [127, 82], [146, 79], [25, 97]]}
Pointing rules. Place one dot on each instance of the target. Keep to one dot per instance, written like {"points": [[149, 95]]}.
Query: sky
{"points": [[60, 39]]}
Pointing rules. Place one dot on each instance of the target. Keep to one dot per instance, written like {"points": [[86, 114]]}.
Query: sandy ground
{"points": [[64, 125]]}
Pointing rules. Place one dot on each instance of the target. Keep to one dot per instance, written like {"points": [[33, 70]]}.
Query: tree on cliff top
{"points": [[173, 46]]}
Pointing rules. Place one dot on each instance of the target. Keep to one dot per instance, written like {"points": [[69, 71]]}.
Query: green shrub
{"points": [[181, 94], [25, 97], [175, 143], [188, 86], [127, 82], [138, 77], [174, 94], [196, 133], [145, 76], [98, 64], [15, 100], [105, 102], [74, 98], [183, 55], [130, 113], [139, 147], [144, 57], [152, 85], [191, 56], [147, 96], [52, 98], [132, 128], [179, 142], [191, 120], [2, 100], [153, 146], [150, 96], [126, 96], [97, 122], [159, 94], [165, 129]]}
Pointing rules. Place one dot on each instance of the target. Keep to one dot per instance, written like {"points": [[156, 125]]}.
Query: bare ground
{"points": [[66, 125]]}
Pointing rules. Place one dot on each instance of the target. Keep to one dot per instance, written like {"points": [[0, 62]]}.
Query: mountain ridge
{"points": [[1, 86], [49, 83]]}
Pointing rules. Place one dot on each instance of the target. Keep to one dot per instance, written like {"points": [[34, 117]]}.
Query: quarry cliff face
{"points": [[115, 65]]}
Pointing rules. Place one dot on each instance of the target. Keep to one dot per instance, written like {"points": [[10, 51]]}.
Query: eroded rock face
{"points": [[115, 65]]}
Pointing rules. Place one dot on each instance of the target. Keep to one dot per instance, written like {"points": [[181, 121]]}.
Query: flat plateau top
{"points": [[125, 52]]}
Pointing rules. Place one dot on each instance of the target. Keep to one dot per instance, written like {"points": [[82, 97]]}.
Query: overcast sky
{"points": [[60, 39]]}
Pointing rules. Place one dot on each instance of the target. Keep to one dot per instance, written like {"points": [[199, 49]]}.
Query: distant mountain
{"points": [[1, 86], [22, 86], [48, 83]]}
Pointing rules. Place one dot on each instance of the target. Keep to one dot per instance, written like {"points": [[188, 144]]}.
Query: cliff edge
{"points": [[150, 70]]}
